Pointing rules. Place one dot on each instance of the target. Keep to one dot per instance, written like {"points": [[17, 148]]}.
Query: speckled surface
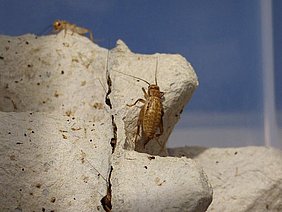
{"points": [[63, 142], [243, 179]]}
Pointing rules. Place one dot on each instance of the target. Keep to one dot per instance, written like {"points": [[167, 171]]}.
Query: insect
{"points": [[60, 25], [151, 114]]}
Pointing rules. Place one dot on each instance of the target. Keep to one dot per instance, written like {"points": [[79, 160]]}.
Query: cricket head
{"points": [[154, 90], [58, 25]]}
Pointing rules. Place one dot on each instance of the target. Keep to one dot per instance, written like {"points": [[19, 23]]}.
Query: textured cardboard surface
{"points": [[66, 134]]}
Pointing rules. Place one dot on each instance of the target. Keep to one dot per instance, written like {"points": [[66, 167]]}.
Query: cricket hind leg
{"points": [[161, 127], [65, 32], [139, 129], [162, 149], [146, 141], [139, 124], [162, 146]]}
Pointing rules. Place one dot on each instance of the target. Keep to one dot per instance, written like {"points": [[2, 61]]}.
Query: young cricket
{"points": [[60, 25], [151, 114]]}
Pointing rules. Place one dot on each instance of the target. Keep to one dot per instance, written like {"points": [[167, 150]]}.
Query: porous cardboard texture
{"points": [[243, 179], [66, 135]]}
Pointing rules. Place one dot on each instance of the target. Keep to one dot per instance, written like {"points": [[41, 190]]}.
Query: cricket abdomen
{"points": [[152, 117]]}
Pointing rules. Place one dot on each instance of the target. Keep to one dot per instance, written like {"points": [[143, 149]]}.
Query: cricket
{"points": [[151, 114], [60, 25]]}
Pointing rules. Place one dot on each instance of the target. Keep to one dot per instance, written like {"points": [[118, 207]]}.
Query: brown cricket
{"points": [[151, 114], [60, 25]]}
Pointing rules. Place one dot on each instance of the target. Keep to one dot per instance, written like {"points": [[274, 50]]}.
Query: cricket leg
{"points": [[73, 28], [161, 127], [138, 100], [159, 134], [65, 32], [139, 124], [145, 93], [162, 149], [91, 36], [162, 146], [146, 141]]}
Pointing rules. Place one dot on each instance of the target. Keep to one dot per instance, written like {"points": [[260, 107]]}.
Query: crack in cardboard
{"points": [[106, 200]]}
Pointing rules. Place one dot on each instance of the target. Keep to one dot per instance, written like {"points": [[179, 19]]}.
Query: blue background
{"points": [[222, 40]]}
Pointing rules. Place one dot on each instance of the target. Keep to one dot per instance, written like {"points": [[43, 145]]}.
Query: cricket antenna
{"points": [[157, 63], [47, 30], [133, 77]]}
